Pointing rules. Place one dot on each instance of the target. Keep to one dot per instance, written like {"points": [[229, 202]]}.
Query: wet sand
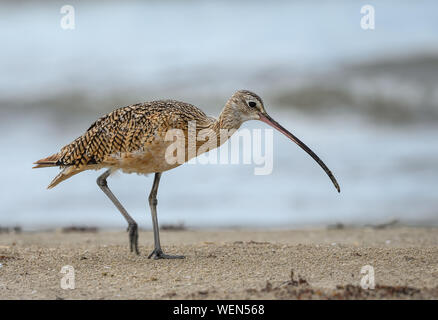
{"points": [[223, 264]]}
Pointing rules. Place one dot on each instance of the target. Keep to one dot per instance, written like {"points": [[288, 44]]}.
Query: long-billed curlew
{"points": [[133, 139]]}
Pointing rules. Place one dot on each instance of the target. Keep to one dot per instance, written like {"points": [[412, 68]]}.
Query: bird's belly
{"points": [[147, 160], [157, 156]]}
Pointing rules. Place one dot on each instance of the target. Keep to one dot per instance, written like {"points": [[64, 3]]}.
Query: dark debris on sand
{"points": [[299, 289], [16, 229], [173, 227], [79, 229]]}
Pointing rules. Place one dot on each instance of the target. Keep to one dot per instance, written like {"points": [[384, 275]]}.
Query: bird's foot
{"points": [[159, 254], [133, 237]]}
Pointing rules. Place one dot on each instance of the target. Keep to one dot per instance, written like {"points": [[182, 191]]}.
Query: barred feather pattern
{"points": [[129, 129]]}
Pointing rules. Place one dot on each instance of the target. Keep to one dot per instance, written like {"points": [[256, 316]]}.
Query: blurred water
{"points": [[148, 44], [366, 102]]}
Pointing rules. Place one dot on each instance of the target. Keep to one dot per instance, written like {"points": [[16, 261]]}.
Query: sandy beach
{"points": [[223, 264]]}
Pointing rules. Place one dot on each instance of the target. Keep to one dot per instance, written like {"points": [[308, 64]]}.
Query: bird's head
{"points": [[246, 105]]}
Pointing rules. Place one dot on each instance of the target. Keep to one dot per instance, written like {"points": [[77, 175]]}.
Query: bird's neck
{"points": [[229, 119]]}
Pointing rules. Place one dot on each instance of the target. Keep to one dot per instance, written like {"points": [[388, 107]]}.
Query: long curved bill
{"points": [[267, 119]]}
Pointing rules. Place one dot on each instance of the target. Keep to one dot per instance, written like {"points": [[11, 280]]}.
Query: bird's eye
{"points": [[252, 104]]}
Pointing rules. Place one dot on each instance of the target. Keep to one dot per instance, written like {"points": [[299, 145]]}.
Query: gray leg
{"points": [[132, 225], [158, 252]]}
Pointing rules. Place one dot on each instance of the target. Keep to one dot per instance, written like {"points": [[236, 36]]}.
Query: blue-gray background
{"points": [[365, 101]]}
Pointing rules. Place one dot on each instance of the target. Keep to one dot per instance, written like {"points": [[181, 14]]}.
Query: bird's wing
{"points": [[129, 129]]}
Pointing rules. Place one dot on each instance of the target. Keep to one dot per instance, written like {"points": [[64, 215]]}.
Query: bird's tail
{"points": [[63, 175], [51, 161]]}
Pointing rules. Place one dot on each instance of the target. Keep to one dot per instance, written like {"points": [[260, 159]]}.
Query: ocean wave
{"points": [[399, 91], [403, 90]]}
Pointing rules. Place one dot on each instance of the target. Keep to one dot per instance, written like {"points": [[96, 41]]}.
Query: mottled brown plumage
{"points": [[127, 134], [134, 139]]}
